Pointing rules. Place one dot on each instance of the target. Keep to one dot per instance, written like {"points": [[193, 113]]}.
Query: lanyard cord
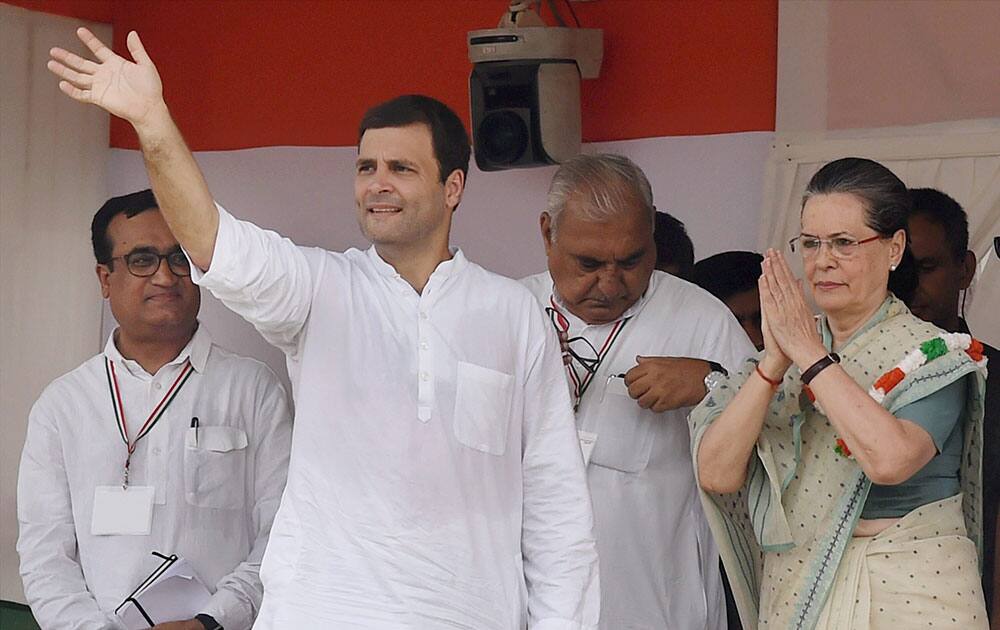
{"points": [[580, 386], [154, 416]]}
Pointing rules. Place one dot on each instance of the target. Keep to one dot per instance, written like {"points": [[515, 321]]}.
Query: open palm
{"points": [[129, 90], [790, 322]]}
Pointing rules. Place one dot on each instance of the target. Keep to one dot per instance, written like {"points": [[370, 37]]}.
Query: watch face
{"points": [[712, 379]]}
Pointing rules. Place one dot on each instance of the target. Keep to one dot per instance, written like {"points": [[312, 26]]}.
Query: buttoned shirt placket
{"points": [[419, 306], [148, 389]]}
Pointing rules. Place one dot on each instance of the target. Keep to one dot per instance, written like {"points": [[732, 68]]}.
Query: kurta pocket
{"points": [[483, 401], [624, 431], [215, 466]]}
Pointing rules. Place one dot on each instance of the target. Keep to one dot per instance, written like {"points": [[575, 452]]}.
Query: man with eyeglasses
{"points": [[641, 347], [163, 442], [939, 241]]}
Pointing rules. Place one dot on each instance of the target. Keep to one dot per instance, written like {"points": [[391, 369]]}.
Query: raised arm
{"points": [[132, 90], [889, 450], [728, 444], [256, 273]]}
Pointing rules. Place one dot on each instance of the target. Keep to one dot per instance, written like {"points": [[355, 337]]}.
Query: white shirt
{"points": [[659, 564], [212, 508], [436, 480]]}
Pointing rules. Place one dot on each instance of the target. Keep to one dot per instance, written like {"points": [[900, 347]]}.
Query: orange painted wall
{"points": [[93, 10], [261, 73]]}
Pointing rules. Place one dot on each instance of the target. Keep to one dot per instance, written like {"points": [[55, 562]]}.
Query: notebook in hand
{"points": [[170, 593]]}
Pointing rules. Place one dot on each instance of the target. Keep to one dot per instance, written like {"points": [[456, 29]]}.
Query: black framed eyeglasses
{"points": [[580, 349], [146, 264]]}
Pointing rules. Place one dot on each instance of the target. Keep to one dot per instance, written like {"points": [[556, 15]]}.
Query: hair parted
{"points": [[129, 205], [448, 135]]}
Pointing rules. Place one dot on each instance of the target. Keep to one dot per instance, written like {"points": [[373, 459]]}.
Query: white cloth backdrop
{"points": [[960, 159], [53, 167], [306, 194]]}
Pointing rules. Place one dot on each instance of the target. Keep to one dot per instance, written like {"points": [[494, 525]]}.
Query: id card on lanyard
{"points": [[128, 510]]}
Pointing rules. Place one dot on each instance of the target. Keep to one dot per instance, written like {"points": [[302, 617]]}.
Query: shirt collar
{"points": [[443, 271], [197, 349]]}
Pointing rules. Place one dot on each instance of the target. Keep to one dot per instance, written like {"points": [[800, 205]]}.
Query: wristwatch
{"points": [[208, 621], [716, 373]]}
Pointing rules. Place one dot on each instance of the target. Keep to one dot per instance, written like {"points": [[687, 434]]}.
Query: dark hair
{"points": [[131, 205], [673, 245], [448, 134], [887, 207], [944, 211], [728, 273]]}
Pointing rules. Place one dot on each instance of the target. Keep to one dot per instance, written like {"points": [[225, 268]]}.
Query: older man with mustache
{"points": [[641, 347]]}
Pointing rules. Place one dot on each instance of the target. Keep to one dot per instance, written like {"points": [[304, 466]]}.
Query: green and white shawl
{"points": [[783, 534]]}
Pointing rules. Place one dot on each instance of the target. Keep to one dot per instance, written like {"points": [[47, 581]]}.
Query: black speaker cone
{"points": [[503, 137]]}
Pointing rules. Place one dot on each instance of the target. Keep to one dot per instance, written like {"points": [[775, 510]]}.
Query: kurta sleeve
{"points": [[261, 276], [557, 541], [50, 568]]}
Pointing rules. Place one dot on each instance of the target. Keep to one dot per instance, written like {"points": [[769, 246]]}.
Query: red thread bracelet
{"points": [[773, 383]]}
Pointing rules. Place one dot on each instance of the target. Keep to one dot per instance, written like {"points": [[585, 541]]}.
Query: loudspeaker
{"points": [[524, 113]]}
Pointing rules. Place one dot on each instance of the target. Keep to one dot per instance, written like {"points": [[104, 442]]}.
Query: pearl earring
{"points": [[892, 267]]}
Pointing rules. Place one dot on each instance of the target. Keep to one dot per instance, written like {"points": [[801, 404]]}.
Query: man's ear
{"points": [[968, 268], [454, 186], [545, 222], [103, 273]]}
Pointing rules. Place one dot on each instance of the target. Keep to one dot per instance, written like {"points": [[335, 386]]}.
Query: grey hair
{"points": [[606, 185]]}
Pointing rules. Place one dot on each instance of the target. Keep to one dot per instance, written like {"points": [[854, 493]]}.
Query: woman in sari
{"points": [[840, 468]]}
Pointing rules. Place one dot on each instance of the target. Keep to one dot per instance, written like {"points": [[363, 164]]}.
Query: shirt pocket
{"points": [[483, 400], [624, 431], [215, 460]]}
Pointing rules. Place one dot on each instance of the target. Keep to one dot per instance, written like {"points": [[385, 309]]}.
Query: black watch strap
{"points": [[819, 366], [208, 621], [716, 367]]}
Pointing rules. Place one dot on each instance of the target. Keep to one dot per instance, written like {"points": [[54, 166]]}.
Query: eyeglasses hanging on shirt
{"points": [[585, 359]]}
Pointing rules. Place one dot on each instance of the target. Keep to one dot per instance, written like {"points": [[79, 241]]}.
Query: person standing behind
{"points": [[732, 277], [674, 249], [435, 477], [199, 436], [939, 240], [628, 331]]}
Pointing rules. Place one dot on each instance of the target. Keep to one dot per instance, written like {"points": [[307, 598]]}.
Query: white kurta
{"points": [[435, 479], [211, 507], [659, 564]]}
